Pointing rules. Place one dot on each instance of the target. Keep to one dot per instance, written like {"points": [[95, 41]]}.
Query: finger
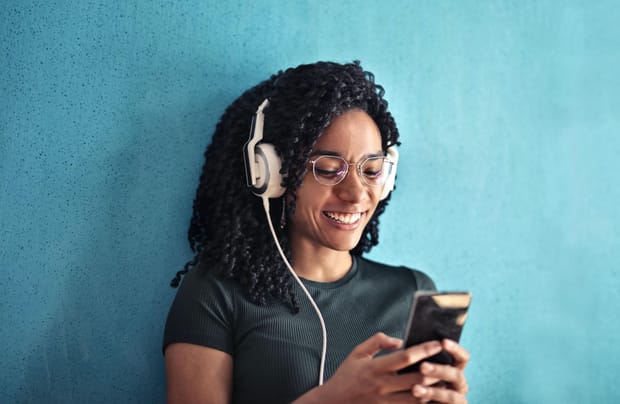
{"points": [[403, 358], [374, 344], [402, 397], [460, 355], [393, 382], [441, 395], [450, 374]]}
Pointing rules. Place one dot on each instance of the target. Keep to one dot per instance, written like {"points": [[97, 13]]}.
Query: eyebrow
{"points": [[336, 154]]}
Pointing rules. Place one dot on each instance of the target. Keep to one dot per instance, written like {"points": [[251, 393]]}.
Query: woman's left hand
{"points": [[452, 385]]}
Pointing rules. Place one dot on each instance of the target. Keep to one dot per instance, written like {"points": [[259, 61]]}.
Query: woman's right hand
{"points": [[364, 377]]}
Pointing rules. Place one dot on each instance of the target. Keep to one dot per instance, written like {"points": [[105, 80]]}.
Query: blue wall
{"points": [[508, 183]]}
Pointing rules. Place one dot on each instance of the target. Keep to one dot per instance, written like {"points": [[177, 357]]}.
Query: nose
{"points": [[352, 187]]}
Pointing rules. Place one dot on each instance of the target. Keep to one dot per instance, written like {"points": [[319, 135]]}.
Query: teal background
{"points": [[508, 183]]}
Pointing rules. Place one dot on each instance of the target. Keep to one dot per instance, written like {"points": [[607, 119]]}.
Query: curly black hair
{"points": [[228, 232]]}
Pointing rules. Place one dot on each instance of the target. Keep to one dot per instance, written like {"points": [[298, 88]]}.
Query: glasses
{"points": [[331, 170]]}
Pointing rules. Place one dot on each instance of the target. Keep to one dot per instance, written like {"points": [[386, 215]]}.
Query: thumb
{"points": [[376, 343]]}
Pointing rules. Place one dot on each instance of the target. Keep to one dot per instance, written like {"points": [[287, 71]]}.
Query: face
{"points": [[334, 217]]}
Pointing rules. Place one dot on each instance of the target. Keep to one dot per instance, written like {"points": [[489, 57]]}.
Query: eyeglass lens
{"points": [[331, 170]]}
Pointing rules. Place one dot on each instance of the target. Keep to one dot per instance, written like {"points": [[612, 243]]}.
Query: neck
{"points": [[321, 265]]}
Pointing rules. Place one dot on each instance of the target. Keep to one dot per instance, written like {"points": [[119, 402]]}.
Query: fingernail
{"points": [[448, 343], [427, 367], [419, 391]]}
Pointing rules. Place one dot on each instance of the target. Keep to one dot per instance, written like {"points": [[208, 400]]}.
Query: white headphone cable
{"points": [[312, 302]]}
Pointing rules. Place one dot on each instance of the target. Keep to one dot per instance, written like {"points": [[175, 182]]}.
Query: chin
{"points": [[344, 245]]}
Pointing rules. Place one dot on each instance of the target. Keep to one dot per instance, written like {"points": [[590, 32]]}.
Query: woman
{"points": [[247, 327]]}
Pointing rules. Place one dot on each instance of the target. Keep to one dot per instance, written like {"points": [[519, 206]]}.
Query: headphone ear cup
{"points": [[269, 179], [392, 153]]}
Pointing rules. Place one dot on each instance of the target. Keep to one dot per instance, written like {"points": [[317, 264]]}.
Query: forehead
{"points": [[351, 133]]}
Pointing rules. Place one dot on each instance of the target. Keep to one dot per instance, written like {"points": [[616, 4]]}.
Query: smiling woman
{"points": [[247, 326]]}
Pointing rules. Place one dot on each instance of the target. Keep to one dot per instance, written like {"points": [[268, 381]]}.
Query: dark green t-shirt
{"points": [[277, 353]]}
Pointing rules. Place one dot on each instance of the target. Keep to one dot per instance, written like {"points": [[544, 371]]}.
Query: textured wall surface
{"points": [[508, 184]]}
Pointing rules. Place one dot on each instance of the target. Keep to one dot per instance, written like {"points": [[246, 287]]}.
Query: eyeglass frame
{"points": [[358, 165]]}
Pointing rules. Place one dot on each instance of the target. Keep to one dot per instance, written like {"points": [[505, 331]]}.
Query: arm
{"points": [[197, 374]]}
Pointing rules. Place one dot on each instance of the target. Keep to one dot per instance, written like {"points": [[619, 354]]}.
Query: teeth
{"points": [[346, 218]]}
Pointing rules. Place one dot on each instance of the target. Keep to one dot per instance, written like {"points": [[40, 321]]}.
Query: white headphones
{"points": [[388, 187], [262, 163]]}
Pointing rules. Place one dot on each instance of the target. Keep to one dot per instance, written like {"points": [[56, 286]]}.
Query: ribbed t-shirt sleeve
{"points": [[202, 313], [423, 281]]}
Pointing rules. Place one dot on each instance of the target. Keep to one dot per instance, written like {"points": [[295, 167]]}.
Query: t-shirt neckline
{"points": [[338, 283]]}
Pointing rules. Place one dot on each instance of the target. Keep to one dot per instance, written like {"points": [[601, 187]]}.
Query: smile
{"points": [[344, 218]]}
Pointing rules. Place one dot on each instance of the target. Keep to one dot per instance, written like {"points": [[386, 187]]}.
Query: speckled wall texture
{"points": [[508, 183]]}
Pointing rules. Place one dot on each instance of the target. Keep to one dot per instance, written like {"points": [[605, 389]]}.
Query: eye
{"points": [[372, 173], [328, 173], [329, 167], [373, 168]]}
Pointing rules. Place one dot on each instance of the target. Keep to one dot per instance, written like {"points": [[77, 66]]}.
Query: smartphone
{"points": [[435, 316]]}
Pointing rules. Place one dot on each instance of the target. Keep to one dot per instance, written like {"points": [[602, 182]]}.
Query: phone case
{"points": [[435, 316]]}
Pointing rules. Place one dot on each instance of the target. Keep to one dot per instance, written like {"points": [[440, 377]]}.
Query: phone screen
{"points": [[435, 316]]}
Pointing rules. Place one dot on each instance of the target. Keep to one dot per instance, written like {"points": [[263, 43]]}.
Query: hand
{"points": [[364, 378], [452, 386]]}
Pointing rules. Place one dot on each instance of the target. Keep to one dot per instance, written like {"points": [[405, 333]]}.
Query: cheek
{"points": [[312, 194], [309, 205]]}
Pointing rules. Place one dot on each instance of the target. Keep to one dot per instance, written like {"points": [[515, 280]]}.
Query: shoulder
{"points": [[202, 282], [385, 272], [203, 311], [202, 288]]}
